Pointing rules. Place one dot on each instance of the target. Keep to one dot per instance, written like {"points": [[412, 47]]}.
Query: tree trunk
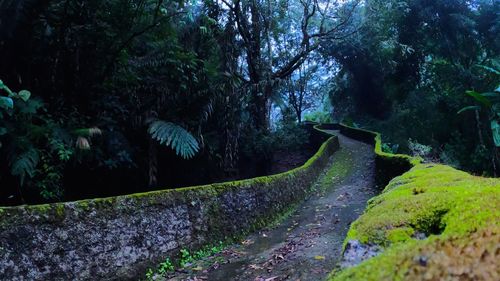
{"points": [[152, 163], [299, 116], [478, 127], [21, 195], [260, 108], [495, 161]]}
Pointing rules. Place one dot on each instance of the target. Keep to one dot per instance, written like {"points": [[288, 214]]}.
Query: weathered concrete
{"points": [[118, 237]]}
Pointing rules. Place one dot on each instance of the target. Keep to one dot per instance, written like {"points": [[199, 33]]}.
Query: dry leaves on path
{"points": [[274, 278]]}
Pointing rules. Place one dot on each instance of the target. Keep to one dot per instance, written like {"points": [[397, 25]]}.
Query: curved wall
{"points": [[118, 237], [432, 222], [388, 165]]}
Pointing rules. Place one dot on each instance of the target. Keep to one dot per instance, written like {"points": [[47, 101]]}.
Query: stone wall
{"points": [[117, 238], [388, 165], [431, 223]]}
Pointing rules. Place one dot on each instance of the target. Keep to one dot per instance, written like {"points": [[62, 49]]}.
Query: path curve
{"points": [[307, 245]]}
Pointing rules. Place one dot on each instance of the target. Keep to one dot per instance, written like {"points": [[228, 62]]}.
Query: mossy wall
{"points": [[118, 237], [387, 165], [431, 223]]}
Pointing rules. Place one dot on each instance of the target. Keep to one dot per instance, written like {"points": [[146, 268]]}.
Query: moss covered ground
{"points": [[433, 223]]}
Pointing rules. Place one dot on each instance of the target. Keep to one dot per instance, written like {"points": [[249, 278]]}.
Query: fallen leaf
{"points": [[247, 242], [254, 266], [319, 258]]}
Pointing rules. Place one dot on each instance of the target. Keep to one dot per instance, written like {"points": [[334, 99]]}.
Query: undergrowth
{"points": [[186, 259]]}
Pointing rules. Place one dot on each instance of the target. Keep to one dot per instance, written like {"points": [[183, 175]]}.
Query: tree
{"points": [[147, 72], [489, 102], [301, 95], [269, 30], [410, 63]]}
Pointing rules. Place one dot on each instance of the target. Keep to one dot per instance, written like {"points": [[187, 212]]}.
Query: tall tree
{"points": [[269, 27]]}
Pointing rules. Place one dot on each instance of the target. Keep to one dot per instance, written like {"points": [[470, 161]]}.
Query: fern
{"points": [[176, 137], [88, 132], [25, 164]]}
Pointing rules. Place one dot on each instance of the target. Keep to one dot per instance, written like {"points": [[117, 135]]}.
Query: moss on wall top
{"points": [[56, 211], [375, 139], [433, 222]]}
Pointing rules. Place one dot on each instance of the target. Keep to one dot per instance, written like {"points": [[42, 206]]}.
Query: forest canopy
{"points": [[101, 98]]}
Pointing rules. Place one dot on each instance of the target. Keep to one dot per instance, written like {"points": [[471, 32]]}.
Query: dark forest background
{"points": [[101, 98]]}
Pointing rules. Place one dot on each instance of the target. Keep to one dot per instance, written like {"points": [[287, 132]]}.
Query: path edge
{"points": [[118, 238]]}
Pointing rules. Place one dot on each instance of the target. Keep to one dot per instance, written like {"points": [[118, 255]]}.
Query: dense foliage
{"points": [[135, 93], [408, 69], [109, 97]]}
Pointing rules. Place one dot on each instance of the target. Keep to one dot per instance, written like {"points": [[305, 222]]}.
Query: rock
{"points": [[355, 253]]}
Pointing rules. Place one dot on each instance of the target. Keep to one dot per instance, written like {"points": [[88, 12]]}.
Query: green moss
{"points": [[401, 234], [204, 190], [275, 222], [456, 211], [45, 208], [437, 200], [84, 205], [380, 152], [376, 139], [340, 168], [59, 208]]}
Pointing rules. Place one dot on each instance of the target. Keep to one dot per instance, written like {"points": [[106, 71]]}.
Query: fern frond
{"points": [[82, 143], [25, 164], [88, 132], [175, 137]]}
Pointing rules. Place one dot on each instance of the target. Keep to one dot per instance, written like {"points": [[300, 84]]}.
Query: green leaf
{"points": [[25, 164], [495, 129], [5, 88], [490, 69], [88, 132], [24, 95], [467, 108], [479, 98], [30, 107], [175, 137], [496, 109], [491, 94], [6, 102]]}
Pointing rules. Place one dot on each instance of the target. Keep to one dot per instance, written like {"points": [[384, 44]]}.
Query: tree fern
{"points": [[176, 137], [25, 164], [84, 135]]}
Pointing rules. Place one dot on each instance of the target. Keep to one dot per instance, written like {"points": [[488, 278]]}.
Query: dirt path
{"points": [[307, 245]]}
